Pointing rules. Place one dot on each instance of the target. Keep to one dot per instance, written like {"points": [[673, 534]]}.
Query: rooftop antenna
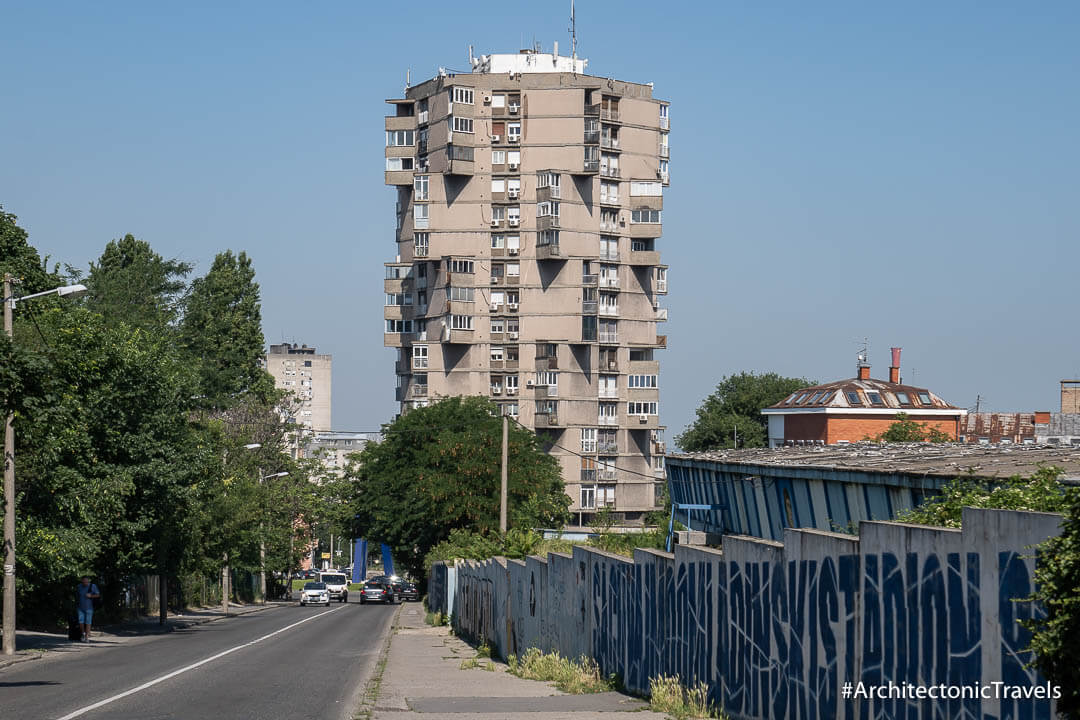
{"points": [[573, 31]]}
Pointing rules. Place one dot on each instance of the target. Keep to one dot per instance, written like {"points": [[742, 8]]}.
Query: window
{"points": [[641, 408], [588, 440], [463, 95], [420, 244], [395, 164], [498, 241], [609, 331], [548, 378], [513, 186], [549, 180], [513, 216], [641, 381], [420, 216], [609, 275], [420, 357], [609, 303], [827, 397], [460, 124], [400, 138], [496, 353], [547, 350], [498, 325], [498, 270], [513, 131], [547, 209], [498, 213], [814, 398], [461, 266], [645, 216], [636, 355], [853, 397], [498, 186], [421, 329], [664, 151], [461, 322], [924, 398], [609, 164], [513, 157], [462, 294], [511, 383], [647, 189], [392, 326], [498, 101], [547, 237], [497, 298], [608, 413], [642, 245], [608, 386], [873, 397], [513, 243], [422, 139], [513, 325], [398, 299], [665, 121], [510, 409], [420, 187], [904, 398], [609, 220], [421, 300], [609, 192], [498, 157], [664, 169], [513, 269], [609, 247], [588, 497], [422, 111]]}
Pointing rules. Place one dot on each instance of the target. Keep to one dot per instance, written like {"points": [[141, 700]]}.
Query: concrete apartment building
{"points": [[303, 372], [529, 202]]}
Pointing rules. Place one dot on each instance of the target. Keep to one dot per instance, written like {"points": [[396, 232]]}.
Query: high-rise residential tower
{"points": [[529, 203], [301, 371]]}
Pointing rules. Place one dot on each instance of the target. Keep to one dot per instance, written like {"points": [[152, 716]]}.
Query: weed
{"points": [[469, 664], [483, 651], [668, 695], [576, 677], [436, 619]]}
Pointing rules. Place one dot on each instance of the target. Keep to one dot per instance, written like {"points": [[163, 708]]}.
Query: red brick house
{"points": [[854, 409]]}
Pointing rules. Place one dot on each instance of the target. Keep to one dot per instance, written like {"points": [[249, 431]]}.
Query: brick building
{"points": [[857, 408]]}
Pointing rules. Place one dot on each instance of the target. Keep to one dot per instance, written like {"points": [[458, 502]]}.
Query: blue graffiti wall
{"points": [[775, 629]]}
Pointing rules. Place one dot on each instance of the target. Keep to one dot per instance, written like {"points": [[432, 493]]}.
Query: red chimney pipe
{"points": [[894, 369]]}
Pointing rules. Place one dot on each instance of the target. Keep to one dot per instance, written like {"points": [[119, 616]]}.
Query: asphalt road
{"points": [[285, 663]]}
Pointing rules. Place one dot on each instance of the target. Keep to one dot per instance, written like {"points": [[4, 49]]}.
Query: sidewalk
{"points": [[33, 645], [423, 680]]}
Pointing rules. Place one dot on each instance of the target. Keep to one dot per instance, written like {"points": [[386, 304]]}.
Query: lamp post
{"points": [[9, 301], [262, 539], [225, 556]]}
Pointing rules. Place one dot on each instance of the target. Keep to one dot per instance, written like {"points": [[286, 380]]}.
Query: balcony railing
{"points": [[608, 394], [661, 286], [589, 280], [609, 337], [609, 114], [606, 475], [608, 171], [591, 165], [588, 476], [607, 447], [609, 310], [607, 420], [661, 314], [609, 143], [592, 110], [665, 123], [589, 307], [419, 390], [592, 137]]}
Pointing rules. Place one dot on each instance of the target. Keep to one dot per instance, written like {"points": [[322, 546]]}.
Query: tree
{"points": [[21, 259], [907, 430], [438, 469], [131, 283], [1056, 635], [222, 329], [735, 407]]}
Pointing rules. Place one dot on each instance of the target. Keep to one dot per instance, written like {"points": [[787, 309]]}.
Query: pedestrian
{"points": [[85, 593]]}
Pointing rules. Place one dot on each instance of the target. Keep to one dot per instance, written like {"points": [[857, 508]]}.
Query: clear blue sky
{"points": [[908, 173]]}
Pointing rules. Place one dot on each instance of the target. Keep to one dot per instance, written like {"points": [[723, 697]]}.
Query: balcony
{"points": [[608, 337], [660, 286], [459, 160], [592, 137], [589, 280], [592, 110], [609, 143], [546, 420], [397, 340], [643, 257], [548, 192], [645, 231], [661, 341], [610, 394], [609, 310], [609, 362], [607, 447], [659, 447], [611, 114], [608, 171], [457, 337], [541, 392], [588, 477], [609, 226], [399, 177], [418, 391], [590, 166], [661, 314], [665, 123], [549, 252], [547, 363], [609, 281], [607, 420], [589, 307], [404, 122], [606, 475], [609, 199], [547, 222]]}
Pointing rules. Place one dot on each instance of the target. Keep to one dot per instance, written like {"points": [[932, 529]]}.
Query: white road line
{"points": [[174, 673]]}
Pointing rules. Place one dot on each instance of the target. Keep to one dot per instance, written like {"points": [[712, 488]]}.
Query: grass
{"points": [[668, 695], [576, 677], [435, 618]]}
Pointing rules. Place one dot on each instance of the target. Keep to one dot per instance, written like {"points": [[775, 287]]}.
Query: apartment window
{"points": [[512, 353], [645, 216], [421, 329], [498, 242], [398, 299], [498, 213], [608, 413], [395, 164], [609, 303], [498, 129], [658, 462], [400, 138], [510, 409], [588, 440], [496, 353], [547, 350], [421, 299], [646, 189], [608, 386], [498, 325], [924, 398], [547, 209], [513, 216], [498, 186], [513, 269], [609, 275], [547, 237], [498, 271], [513, 325], [396, 272], [498, 101], [513, 131], [642, 245], [497, 298], [665, 121], [420, 187], [498, 157], [641, 381], [460, 124], [660, 279], [421, 274], [420, 357], [422, 139], [588, 497], [461, 266], [664, 169], [609, 164], [609, 192], [420, 244], [463, 95], [513, 157], [461, 322], [549, 180], [513, 243], [664, 152], [420, 216], [547, 407], [641, 408], [549, 378], [513, 186], [422, 111], [462, 294], [609, 247], [392, 326], [512, 299], [609, 219], [588, 328], [511, 383]]}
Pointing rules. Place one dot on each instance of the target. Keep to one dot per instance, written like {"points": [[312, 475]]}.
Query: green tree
{"points": [[131, 283], [222, 329], [438, 469], [21, 259], [735, 407], [907, 430], [1056, 636]]}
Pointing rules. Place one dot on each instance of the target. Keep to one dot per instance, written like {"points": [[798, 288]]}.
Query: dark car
{"points": [[409, 592], [377, 591]]}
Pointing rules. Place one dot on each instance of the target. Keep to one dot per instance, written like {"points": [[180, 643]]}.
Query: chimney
{"points": [[894, 369], [863, 366]]}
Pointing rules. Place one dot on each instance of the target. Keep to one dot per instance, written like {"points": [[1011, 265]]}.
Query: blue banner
{"points": [[359, 567], [387, 561]]}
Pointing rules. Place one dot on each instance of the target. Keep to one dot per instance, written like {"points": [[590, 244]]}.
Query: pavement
{"points": [[35, 645], [421, 678]]}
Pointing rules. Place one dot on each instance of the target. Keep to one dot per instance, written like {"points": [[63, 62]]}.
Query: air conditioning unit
{"points": [[514, 107], [496, 391], [643, 419], [514, 222], [514, 166], [513, 138], [529, 383], [612, 364], [512, 251], [496, 279], [513, 192], [497, 138], [513, 335], [494, 222], [512, 306], [511, 391], [487, 99], [495, 307]]}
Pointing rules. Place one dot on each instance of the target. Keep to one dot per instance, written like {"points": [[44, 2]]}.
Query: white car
{"points": [[315, 593], [336, 584]]}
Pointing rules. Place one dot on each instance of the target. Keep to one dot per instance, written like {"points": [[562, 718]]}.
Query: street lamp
{"points": [[262, 541], [9, 301], [225, 579]]}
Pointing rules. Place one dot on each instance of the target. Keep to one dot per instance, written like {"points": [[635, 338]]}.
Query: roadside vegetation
{"points": [[576, 677], [668, 695]]}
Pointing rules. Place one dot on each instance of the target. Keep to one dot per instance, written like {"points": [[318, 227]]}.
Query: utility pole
{"points": [[9, 497], [502, 495]]}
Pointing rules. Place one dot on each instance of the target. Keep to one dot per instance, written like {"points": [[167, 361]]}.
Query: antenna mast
{"points": [[573, 32]]}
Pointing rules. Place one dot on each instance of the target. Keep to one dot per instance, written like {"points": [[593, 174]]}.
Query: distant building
{"points": [[760, 492], [993, 428], [852, 410], [1070, 397], [334, 448], [300, 370]]}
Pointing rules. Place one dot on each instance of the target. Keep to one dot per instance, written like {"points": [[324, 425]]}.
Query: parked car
{"points": [[409, 592], [315, 593], [377, 591], [311, 574], [336, 584]]}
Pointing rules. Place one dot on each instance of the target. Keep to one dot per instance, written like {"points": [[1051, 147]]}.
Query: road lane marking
{"points": [[174, 673]]}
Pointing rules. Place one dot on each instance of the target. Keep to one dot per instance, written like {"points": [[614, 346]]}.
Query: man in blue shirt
{"points": [[85, 593]]}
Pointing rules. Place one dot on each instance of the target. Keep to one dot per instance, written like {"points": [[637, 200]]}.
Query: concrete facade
{"points": [[298, 369], [776, 629], [529, 205], [334, 448]]}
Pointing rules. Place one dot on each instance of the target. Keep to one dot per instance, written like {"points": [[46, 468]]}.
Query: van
{"points": [[337, 584]]}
